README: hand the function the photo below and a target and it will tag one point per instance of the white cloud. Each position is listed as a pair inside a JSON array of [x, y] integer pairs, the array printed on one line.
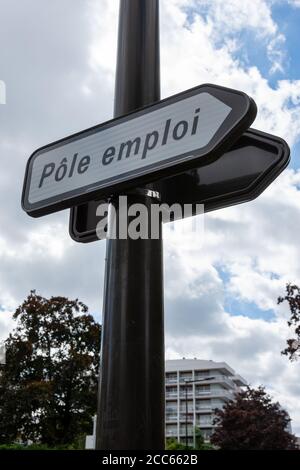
[[233, 16], [294, 3], [191, 55], [233, 24]]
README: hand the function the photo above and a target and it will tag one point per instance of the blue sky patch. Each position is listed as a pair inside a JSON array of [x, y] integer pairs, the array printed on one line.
[[237, 307], [288, 19]]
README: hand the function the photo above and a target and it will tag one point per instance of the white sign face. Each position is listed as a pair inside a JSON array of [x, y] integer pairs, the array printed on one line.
[[171, 132], [131, 146]]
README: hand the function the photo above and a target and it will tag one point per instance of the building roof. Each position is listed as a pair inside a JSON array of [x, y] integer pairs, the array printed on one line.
[[172, 365]]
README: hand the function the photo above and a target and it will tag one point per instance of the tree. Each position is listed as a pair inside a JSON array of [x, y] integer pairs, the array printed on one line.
[[173, 444], [252, 422], [200, 444], [48, 385], [293, 298]]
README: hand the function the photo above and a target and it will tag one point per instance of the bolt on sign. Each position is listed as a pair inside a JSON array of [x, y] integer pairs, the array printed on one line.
[[186, 130]]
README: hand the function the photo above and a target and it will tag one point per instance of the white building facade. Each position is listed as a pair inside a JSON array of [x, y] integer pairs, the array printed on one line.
[[211, 385]]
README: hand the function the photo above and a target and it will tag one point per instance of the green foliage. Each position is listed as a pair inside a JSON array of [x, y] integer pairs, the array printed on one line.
[[199, 441], [23, 447], [252, 422], [48, 385], [292, 297], [173, 444], [37, 447]]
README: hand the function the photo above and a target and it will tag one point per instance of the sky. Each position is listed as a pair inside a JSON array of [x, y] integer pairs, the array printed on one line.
[[57, 60]]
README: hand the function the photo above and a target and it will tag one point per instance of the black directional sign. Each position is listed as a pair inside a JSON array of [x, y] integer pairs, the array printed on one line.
[[176, 134], [240, 175]]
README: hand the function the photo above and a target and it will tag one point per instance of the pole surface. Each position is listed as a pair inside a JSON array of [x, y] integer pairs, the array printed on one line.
[[186, 416], [131, 400]]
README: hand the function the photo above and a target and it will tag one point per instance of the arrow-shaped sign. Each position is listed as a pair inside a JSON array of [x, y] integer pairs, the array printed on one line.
[[187, 130], [240, 175]]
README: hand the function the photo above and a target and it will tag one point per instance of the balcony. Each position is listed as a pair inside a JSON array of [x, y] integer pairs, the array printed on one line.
[[183, 379], [171, 380], [171, 410], [225, 394], [204, 407], [190, 432], [183, 395], [190, 416], [204, 424], [203, 375], [221, 379], [171, 417], [171, 395], [224, 380], [201, 393], [171, 432], [238, 380]]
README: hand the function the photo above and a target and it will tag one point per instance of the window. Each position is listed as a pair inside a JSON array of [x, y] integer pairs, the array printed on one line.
[[171, 377], [171, 407], [200, 374], [190, 430], [171, 391], [190, 406], [205, 419], [206, 433], [202, 389], [200, 404], [187, 375], [188, 389], [190, 440], [171, 430], [171, 416]]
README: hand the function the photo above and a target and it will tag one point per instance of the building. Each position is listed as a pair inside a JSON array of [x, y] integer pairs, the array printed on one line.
[[90, 441], [211, 385], [215, 384]]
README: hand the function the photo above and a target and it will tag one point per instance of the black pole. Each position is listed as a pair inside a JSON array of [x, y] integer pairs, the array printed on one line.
[[131, 401]]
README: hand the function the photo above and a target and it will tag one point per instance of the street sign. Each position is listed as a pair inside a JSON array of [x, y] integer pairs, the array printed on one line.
[[240, 175], [186, 130]]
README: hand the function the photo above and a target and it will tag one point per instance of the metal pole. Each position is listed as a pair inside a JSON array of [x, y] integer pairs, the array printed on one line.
[[194, 416], [131, 401], [186, 416], [186, 383]]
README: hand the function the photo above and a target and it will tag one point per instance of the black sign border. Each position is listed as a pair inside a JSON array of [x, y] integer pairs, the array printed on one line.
[[217, 202], [262, 181], [218, 145]]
